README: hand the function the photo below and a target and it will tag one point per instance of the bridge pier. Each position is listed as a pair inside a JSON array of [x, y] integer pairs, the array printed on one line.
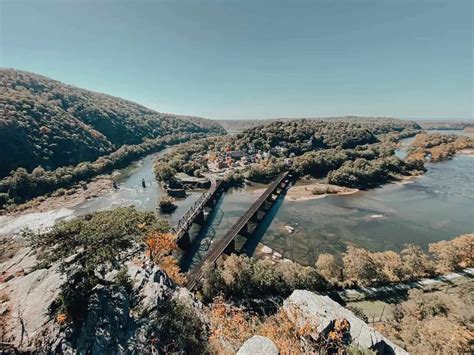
[[185, 241], [245, 231], [230, 249], [211, 202], [257, 216], [200, 219], [266, 205]]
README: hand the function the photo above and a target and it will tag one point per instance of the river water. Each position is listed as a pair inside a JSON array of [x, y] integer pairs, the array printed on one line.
[[131, 192], [439, 205]]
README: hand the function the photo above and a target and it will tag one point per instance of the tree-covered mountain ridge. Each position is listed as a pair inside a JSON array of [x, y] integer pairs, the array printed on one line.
[[49, 123]]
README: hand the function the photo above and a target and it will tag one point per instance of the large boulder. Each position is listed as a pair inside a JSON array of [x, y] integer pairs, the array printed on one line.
[[258, 345], [107, 325], [116, 319], [25, 298], [307, 306]]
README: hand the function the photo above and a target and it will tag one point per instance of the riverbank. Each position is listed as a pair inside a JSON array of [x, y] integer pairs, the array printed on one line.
[[367, 293], [98, 186], [35, 221], [372, 294], [466, 152]]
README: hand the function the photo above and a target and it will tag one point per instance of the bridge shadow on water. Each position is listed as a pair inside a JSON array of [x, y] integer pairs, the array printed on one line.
[[251, 243], [201, 243]]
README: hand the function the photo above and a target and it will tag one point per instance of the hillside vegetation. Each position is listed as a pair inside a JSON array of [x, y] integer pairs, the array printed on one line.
[[48, 123], [53, 135]]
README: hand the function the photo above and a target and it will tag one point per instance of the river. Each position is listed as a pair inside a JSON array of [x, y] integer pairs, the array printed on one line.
[[129, 193], [436, 206], [439, 205]]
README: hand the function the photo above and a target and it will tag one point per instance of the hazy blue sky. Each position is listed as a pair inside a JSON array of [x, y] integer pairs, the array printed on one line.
[[254, 59]]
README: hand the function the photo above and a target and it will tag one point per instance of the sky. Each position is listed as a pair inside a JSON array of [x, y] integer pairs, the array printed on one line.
[[254, 59]]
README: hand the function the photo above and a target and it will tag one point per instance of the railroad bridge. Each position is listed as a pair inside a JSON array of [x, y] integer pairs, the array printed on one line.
[[195, 214], [245, 226]]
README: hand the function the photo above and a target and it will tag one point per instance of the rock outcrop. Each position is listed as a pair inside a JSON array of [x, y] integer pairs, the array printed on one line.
[[25, 297], [116, 320], [258, 345], [307, 306]]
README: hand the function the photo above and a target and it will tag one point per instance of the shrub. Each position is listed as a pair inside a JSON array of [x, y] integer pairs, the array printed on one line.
[[416, 263], [164, 172], [328, 266], [175, 328], [431, 323], [88, 247], [230, 326], [166, 204], [359, 266], [287, 333], [244, 279]]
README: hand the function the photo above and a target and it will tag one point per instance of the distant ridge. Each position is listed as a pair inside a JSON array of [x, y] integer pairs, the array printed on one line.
[[234, 126]]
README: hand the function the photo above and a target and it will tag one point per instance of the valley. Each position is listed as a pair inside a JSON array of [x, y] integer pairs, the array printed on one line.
[[365, 191]]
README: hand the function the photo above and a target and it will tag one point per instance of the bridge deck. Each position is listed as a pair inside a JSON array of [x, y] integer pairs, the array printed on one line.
[[188, 218], [218, 248]]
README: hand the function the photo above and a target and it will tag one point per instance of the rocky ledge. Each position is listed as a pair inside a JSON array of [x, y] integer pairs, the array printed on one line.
[[307, 306]]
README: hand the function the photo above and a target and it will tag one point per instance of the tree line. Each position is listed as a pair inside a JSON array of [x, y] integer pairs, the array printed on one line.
[[20, 185], [243, 279]]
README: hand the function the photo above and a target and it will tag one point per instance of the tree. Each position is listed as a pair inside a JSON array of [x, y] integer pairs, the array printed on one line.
[[166, 204], [390, 266], [328, 266], [453, 254], [244, 278], [164, 172], [431, 323], [415, 262], [160, 247], [160, 244], [359, 265]]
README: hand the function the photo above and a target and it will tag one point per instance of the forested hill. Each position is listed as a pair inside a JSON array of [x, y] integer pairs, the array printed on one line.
[[45, 122]]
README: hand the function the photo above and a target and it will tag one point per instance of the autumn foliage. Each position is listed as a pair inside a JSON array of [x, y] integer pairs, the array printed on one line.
[[437, 146], [454, 254], [289, 335], [61, 318], [358, 266], [231, 326], [432, 323], [160, 246]]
